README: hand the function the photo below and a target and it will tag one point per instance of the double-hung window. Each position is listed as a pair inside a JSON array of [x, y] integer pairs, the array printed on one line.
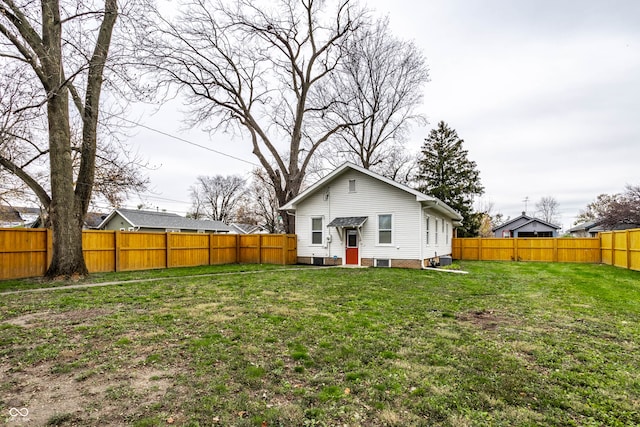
[[427, 225], [385, 229], [316, 231]]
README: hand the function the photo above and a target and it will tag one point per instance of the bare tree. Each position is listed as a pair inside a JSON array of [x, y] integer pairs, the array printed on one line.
[[400, 166], [61, 48], [217, 197], [118, 173], [380, 85], [265, 201], [547, 209], [24, 148], [261, 68]]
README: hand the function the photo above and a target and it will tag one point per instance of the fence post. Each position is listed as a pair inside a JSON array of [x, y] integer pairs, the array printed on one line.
[[116, 250], [628, 233], [285, 249], [238, 251], [49, 248], [555, 250], [210, 248], [259, 248], [167, 246], [515, 249]]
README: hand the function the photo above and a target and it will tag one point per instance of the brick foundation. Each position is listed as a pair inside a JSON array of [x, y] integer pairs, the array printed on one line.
[[368, 262], [395, 263], [406, 263], [327, 260]]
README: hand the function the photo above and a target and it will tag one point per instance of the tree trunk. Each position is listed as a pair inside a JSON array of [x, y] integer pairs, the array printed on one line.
[[68, 259], [289, 223], [66, 220]]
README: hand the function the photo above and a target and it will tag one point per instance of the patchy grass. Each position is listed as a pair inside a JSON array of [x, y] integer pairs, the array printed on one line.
[[38, 282], [510, 344]]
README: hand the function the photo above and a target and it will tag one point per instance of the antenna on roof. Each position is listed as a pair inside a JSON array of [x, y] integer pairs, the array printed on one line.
[[526, 200]]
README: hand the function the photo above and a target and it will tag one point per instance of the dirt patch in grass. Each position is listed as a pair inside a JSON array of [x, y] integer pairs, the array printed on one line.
[[61, 380], [71, 399], [73, 317], [485, 319]]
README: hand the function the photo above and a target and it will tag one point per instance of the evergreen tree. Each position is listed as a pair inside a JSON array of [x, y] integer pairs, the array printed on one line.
[[445, 172]]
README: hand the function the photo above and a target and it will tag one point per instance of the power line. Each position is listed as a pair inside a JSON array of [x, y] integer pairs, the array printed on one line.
[[188, 142]]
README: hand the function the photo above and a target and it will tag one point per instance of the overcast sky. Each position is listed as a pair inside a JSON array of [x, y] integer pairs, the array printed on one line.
[[545, 94]]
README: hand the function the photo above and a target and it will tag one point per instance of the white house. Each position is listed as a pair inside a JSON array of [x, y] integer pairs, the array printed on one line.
[[356, 217]]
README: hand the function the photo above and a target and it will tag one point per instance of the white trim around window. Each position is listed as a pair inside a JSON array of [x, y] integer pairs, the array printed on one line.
[[385, 230], [317, 231]]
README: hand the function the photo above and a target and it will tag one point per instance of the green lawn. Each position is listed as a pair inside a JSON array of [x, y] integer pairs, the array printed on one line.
[[509, 344]]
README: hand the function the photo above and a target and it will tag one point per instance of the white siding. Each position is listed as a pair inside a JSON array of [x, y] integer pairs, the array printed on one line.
[[371, 198], [443, 247]]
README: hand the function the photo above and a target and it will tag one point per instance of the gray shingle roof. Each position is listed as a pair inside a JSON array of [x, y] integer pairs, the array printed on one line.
[[348, 221], [585, 226], [528, 219], [164, 220]]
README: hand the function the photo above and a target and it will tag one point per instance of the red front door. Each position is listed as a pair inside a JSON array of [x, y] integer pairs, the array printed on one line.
[[352, 248]]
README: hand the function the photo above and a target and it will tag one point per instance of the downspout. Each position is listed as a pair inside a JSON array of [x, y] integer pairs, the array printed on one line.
[[328, 199], [422, 219]]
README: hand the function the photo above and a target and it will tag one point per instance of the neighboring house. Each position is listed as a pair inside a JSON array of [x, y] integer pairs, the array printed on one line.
[[91, 221], [10, 217], [526, 226], [16, 216], [592, 228], [586, 229], [356, 217], [237, 228], [158, 222]]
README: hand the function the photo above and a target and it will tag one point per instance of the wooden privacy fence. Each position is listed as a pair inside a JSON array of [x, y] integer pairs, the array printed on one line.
[[527, 249], [619, 248], [27, 252]]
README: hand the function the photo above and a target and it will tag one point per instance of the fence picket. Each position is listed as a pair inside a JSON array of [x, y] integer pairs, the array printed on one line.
[[27, 252], [619, 248]]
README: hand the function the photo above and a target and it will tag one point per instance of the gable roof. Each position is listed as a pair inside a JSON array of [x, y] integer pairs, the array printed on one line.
[[585, 226], [164, 220], [528, 220], [241, 228], [433, 202]]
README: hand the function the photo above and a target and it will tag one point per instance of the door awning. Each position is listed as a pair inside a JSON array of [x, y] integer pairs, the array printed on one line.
[[348, 222]]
